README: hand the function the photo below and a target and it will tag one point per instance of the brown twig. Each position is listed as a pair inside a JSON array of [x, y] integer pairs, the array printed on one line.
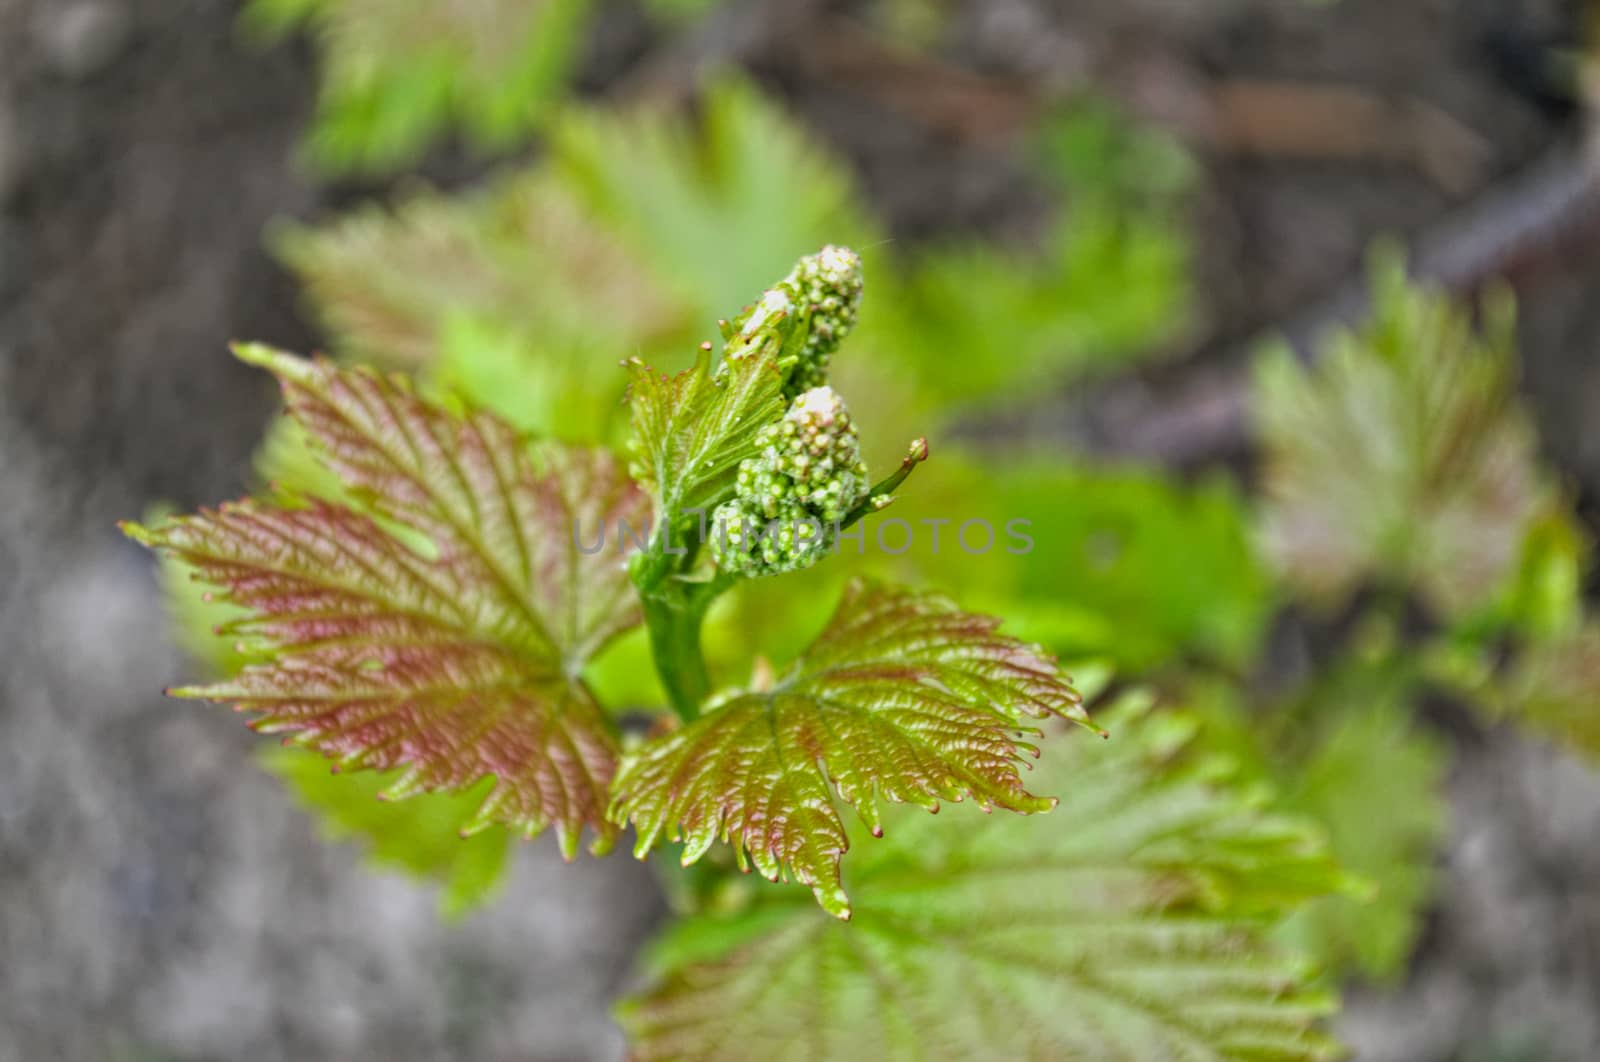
[[1249, 117], [1288, 120]]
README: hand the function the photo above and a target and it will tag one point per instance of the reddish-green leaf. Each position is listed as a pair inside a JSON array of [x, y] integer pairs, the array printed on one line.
[[1135, 928], [903, 697], [442, 631]]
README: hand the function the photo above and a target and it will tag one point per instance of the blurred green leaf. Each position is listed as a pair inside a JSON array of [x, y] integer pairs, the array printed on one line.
[[396, 75], [1129, 923], [1545, 598], [511, 296], [1375, 782], [288, 466], [1347, 755], [641, 227], [1092, 150], [566, 390], [713, 208], [1404, 457], [1170, 570], [623, 675], [420, 835], [526, 295], [973, 322]]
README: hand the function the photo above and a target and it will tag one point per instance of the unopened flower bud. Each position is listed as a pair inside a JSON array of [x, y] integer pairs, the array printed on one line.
[[807, 475], [826, 285], [807, 315]]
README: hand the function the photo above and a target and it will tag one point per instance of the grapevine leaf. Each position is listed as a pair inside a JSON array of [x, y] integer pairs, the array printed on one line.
[[1404, 456], [521, 295], [1347, 754], [397, 74], [902, 697], [1544, 599], [1374, 783], [1135, 929], [195, 616], [519, 256], [741, 193], [443, 629], [1119, 562], [421, 836], [690, 431], [501, 523]]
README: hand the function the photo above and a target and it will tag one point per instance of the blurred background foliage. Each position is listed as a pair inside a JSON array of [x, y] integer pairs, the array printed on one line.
[[396, 74], [1403, 512]]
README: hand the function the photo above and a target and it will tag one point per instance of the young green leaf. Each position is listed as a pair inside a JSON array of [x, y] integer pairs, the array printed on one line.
[[1544, 599], [397, 74], [1124, 563], [690, 431], [1374, 782], [1404, 456], [902, 697], [1347, 754], [707, 205], [1132, 928], [450, 645], [513, 287]]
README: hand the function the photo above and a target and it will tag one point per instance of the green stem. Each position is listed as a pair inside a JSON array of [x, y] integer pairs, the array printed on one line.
[[674, 612], [674, 625], [880, 494]]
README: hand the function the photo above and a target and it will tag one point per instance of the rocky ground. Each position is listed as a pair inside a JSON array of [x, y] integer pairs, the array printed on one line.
[[160, 899]]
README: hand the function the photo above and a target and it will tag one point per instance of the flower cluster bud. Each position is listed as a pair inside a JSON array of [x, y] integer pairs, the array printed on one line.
[[826, 285], [807, 314], [807, 476]]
